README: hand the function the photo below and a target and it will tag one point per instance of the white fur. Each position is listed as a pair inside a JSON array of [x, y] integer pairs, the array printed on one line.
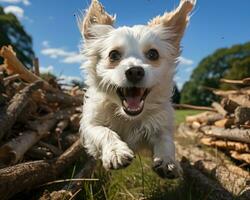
[[108, 133]]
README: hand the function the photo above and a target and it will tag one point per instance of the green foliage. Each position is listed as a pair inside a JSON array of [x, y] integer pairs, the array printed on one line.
[[13, 33], [176, 95], [230, 63]]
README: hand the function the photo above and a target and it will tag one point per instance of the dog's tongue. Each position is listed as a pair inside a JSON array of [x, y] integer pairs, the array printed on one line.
[[133, 103]]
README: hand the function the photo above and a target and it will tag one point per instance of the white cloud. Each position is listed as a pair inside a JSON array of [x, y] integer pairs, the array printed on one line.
[[68, 79], [185, 61], [25, 2], [49, 69], [76, 58], [56, 52], [19, 12], [68, 57]]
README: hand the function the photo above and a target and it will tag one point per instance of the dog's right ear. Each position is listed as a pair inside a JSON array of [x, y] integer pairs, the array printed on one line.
[[95, 15]]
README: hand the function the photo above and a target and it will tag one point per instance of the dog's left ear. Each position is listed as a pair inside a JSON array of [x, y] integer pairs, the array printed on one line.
[[176, 21], [95, 15]]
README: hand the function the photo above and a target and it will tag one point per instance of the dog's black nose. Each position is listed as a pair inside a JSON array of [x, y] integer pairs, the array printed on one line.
[[135, 74]]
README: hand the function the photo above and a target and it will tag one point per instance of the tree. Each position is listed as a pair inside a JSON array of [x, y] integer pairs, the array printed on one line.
[[230, 63], [13, 33], [176, 95]]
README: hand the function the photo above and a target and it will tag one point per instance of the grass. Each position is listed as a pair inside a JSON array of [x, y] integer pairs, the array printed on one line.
[[138, 181]]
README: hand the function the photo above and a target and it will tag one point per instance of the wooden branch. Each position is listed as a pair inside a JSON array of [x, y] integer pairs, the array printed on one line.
[[75, 122], [36, 66], [61, 126], [39, 153], [62, 99], [14, 66], [225, 123], [11, 78], [203, 184], [229, 176], [243, 100], [242, 115], [245, 157], [229, 105], [219, 108], [214, 165], [235, 134], [204, 118], [186, 106], [13, 151], [28, 175], [245, 81], [226, 145], [70, 189], [17, 104]]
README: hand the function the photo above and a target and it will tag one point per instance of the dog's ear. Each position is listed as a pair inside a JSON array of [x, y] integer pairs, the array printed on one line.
[[177, 20], [95, 15]]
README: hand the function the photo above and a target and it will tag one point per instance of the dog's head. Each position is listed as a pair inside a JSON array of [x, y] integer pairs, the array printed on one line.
[[130, 63]]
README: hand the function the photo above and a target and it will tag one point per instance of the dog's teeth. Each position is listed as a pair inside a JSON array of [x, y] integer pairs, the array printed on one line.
[[125, 103], [141, 104]]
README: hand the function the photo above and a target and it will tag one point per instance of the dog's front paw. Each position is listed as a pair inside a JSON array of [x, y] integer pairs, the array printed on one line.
[[167, 168], [117, 156]]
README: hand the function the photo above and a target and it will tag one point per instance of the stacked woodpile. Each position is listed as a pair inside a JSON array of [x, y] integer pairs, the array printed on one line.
[[226, 126], [39, 127]]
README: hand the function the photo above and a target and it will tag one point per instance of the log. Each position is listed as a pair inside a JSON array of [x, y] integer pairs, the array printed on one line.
[[11, 78], [245, 81], [243, 99], [226, 145], [39, 153], [229, 176], [234, 134], [203, 184], [216, 165], [225, 123], [70, 190], [56, 151], [62, 99], [226, 93], [186, 106], [242, 115], [245, 157], [13, 151], [17, 105], [204, 118], [229, 105], [75, 122], [63, 124], [219, 108], [14, 66], [27, 175]]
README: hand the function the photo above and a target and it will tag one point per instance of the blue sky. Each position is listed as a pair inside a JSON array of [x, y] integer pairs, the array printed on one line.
[[56, 38]]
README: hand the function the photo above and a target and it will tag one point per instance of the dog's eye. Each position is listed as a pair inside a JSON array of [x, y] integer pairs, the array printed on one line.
[[152, 54], [115, 55]]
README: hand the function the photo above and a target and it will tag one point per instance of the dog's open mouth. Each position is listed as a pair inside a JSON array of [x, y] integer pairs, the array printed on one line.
[[133, 99]]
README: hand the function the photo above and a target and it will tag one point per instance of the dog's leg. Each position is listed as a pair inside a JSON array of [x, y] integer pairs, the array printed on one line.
[[164, 163], [104, 143]]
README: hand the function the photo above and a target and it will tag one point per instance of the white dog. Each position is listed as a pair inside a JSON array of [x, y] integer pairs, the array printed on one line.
[[130, 78]]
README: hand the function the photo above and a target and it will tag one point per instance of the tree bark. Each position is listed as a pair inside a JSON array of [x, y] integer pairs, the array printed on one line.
[[203, 184], [28, 175], [235, 134], [17, 105], [13, 151], [242, 115], [226, 145]]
